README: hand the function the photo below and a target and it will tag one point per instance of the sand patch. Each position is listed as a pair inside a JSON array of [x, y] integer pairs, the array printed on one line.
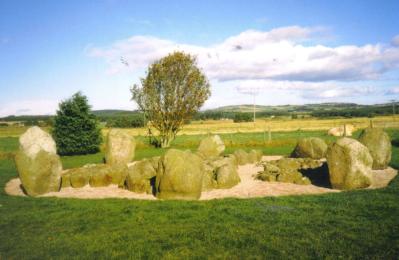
[[247, 188]]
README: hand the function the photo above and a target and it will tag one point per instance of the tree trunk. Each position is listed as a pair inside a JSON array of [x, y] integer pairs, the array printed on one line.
[[166, 139]]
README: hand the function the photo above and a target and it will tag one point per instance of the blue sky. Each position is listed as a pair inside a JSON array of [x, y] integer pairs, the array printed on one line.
[[290, 51]]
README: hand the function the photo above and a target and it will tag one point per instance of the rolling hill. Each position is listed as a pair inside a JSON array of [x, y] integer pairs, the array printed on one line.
[[318, 110]]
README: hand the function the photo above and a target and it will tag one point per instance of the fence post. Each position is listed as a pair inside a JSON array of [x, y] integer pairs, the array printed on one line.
[[264, 136], [270, 135]]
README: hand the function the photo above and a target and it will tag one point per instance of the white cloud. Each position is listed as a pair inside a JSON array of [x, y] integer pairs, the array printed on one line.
[[308, 90], [29, 107], [393, 91], [278, 54], [395, 41], [339, 92]]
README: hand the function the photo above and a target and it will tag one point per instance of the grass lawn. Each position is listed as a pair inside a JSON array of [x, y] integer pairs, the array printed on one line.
[[357, 224]]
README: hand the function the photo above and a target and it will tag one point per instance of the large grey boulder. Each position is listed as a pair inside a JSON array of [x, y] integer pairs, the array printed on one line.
[[227, 174], [120, 147], [243, 157], [349, 163], [211, 146], [38, 165], [220, 173], [140, 175], [379, 144], [311, 147], [95, 175], [179, 175]]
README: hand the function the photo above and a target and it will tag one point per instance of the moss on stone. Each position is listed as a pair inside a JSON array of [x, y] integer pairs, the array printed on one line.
[[311, 147], [241, 157], [179, 175], [379, 144], [120, 147], [209, 178], [227, 175], [287, 170], [65, 180], [211, 146], [41, 174], [349, 164], [140, 174], [99, 175], [79, 178]]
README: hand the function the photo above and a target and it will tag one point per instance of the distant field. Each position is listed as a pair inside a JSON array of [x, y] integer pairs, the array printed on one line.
[[275, 125], [260, 126]]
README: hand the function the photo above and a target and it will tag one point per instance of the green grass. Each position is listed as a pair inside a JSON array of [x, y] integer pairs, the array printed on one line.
[[358, 224]]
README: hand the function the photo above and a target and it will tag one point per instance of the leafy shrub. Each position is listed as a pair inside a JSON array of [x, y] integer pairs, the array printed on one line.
[[243, 117], [76, 129], [135, 121]]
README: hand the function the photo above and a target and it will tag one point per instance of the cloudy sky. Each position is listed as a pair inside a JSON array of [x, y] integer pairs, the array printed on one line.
[[281, 52]]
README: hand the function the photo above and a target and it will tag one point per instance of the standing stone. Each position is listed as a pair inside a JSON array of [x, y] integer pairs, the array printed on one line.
[[379, 145], [140, 175], [120, 147], [241, 157], [39, 167], [311, 147], [179, 175], [211, 146], [255, 156], [349, 164], [227, 175]]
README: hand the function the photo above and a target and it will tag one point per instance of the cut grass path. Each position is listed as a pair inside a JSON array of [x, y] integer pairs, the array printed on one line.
[[358, 224]]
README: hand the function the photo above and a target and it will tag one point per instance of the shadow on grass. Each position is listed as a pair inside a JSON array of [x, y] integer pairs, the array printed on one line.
[[318, 176], [395, 142]]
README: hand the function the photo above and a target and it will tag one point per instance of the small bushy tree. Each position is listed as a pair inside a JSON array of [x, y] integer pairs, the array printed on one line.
[[76, 129], [134, 121], [243, 117], [173, 90]]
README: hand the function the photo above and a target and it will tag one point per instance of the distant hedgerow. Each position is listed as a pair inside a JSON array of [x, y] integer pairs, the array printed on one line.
[[243, 117], [76, 129]]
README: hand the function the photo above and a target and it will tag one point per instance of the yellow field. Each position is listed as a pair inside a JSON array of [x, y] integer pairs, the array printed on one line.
[[261, 125]]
